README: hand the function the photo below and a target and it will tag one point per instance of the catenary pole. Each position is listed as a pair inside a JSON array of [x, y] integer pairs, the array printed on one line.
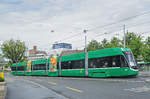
[[124, 36], [86, 54]]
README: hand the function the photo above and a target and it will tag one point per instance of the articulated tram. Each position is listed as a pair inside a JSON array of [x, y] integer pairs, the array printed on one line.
[[112, 62]]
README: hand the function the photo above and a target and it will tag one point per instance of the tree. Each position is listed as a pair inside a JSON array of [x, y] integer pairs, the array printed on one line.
[[146, 50], [130, 36], [1, 61], [115, 42], [94, 45], [14, 50], [134, 42], [104, 43]]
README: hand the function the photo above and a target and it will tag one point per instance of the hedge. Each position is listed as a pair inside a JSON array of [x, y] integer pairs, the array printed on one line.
[[1, 76]]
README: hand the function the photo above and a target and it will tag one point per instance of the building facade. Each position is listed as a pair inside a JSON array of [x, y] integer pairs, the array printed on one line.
[[36, 54]]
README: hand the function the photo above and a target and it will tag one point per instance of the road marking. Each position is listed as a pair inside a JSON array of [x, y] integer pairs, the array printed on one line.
[[147, 80], [60, 95], [102, 79], [139, 89], [74, 89], [53, 83]]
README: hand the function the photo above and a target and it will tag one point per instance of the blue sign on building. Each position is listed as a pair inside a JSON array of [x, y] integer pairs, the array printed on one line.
[[62, 45]]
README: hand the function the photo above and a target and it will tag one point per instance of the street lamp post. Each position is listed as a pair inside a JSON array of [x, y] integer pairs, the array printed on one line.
[[86, 54]]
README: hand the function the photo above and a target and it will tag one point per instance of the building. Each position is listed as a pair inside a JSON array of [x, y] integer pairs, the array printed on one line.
[[70, 52], [36, 54]]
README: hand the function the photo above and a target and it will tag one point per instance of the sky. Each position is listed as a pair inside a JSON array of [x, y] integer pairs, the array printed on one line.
[[44, 22]]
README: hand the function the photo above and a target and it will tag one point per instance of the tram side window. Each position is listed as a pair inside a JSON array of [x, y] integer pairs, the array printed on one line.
[[39, 67], [103, 62], [66, 65], [115, 61], [20, 68], [123, 61], [77, 64], [13, 68], [57, 65], [48, 66]]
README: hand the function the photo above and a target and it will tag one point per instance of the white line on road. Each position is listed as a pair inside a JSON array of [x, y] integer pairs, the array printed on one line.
[[139, 89], [116, 80]]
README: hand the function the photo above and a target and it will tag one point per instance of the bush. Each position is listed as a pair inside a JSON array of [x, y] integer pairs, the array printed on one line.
[[1, 76], [1, 80]]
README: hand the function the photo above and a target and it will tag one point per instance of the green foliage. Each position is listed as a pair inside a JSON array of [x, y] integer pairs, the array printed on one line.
[[140, 48], [14, 50], [134, 42], [1, 60], [146, 50], [104, 43], [93, 45], [115, 42], [1, 80]]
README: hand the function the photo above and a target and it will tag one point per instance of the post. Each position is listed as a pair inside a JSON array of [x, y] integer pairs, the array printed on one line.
[[46, 66], [32, 69], [86, 54], [16, 69], [24, 69], [60, 65], [124, 36]]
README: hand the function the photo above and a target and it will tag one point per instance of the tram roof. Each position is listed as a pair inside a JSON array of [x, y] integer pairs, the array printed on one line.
[[97, 53]]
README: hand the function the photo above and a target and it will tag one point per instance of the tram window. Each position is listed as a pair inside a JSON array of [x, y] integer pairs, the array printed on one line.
[[77, 64], [91, 63], [123, 62], [13, 68], [39, 67], [57, 65], [116, 62], [48, 66], [65, 65], [104, 62], [20, 68]]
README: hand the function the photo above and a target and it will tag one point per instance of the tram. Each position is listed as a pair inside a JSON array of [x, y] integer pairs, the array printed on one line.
[[111, 62]]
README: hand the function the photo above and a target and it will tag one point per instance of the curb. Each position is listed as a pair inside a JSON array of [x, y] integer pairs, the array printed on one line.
[[3, 90]]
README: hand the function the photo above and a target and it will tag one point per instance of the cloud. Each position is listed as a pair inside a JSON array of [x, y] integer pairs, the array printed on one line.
[[33, 20]]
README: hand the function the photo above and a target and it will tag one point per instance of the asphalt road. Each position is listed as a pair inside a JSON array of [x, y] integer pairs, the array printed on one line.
[[82, 88]]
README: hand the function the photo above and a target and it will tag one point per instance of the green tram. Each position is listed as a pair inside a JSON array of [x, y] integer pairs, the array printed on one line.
[[112, 62]]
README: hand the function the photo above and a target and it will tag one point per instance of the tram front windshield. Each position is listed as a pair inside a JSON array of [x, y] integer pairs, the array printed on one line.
[[130, 58]]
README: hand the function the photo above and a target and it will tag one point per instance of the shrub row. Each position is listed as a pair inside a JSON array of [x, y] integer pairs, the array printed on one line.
[[1, 76]]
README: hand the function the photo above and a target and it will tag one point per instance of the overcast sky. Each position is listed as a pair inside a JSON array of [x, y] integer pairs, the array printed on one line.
[[43, 22]]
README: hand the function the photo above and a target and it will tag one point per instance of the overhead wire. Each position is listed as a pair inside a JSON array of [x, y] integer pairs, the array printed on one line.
[[106, 25], [125, 19], [102, 26]]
